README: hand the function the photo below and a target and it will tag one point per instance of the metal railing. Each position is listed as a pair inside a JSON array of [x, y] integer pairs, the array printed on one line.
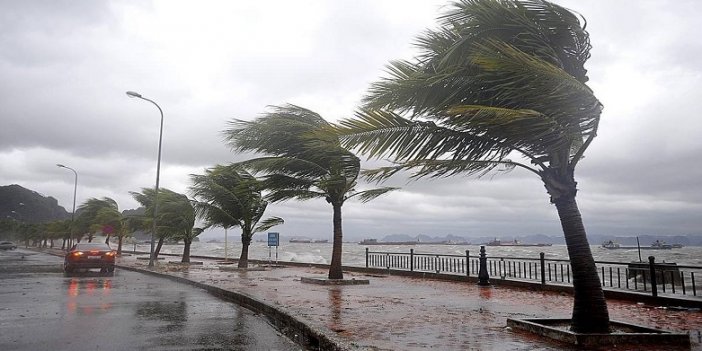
[[647, 277]]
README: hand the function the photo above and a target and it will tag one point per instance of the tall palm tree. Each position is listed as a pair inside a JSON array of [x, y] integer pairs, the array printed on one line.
[[500, 84], [176, 217], [96, 215], [112, 223], [302, 164], [146, 199], [229, 196]]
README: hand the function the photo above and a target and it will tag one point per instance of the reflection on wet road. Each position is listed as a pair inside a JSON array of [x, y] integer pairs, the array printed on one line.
[[43, 309]]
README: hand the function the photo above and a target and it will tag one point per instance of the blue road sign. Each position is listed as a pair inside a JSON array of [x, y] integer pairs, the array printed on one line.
[[273, 239]]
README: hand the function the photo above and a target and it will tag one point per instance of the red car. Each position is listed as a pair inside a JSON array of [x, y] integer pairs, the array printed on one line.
[[90, 255]]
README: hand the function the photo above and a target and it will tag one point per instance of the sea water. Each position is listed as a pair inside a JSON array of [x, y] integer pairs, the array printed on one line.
[[353, 254]]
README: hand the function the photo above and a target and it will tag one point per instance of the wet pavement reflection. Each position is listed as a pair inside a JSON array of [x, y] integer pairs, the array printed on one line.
[[44, 310]]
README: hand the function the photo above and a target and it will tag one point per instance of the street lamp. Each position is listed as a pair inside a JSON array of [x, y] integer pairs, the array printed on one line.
[[73, 213], [132, 94]]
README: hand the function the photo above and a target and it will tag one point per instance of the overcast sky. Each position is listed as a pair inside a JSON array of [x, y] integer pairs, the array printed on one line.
[[65, 67]]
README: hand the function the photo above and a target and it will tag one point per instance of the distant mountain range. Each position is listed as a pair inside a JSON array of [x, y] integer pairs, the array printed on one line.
[[24, 205], [595, 239]]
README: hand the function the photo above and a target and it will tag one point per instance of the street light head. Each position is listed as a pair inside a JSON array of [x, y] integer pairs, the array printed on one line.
[[133, 94], [60, 165]]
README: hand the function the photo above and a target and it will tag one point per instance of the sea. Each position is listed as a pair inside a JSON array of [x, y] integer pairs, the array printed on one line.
[[354, 253]]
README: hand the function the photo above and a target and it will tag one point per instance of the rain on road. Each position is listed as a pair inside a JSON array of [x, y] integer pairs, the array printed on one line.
[[40, 308]]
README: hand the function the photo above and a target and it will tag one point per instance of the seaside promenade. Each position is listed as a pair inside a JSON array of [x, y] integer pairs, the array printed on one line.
[[403, 313]]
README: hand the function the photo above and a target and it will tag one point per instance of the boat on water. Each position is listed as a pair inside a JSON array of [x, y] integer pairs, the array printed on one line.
[[656, 245], [515, 242]]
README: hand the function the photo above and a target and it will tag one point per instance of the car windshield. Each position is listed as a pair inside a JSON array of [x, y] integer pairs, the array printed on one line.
[[93, 246]]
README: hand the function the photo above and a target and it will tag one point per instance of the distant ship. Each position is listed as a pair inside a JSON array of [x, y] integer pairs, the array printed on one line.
[[497, 242], [657, 245], [308, 241]]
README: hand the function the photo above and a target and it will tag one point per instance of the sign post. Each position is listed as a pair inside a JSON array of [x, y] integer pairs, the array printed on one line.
[[273, 240]]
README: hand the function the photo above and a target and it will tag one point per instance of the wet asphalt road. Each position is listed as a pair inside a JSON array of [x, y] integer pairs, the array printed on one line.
[[41, 309]]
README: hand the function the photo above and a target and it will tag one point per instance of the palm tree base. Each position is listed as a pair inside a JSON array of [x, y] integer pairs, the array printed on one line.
[[327, 281], [622, 333]]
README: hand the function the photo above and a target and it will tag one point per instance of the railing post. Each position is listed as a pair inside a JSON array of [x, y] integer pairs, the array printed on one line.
[[652, 268], [483, 276], [501, 268], [467, 264], [366, 257], [543, 268], [411, 260]]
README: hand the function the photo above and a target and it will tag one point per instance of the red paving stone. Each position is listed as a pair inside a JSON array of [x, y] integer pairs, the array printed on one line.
[[403, 313]]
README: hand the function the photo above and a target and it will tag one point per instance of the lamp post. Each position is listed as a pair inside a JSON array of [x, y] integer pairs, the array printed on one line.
[[73, 213], [132, 94]]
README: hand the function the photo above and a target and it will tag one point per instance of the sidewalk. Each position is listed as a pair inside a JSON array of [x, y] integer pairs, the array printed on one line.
[[401, 313]]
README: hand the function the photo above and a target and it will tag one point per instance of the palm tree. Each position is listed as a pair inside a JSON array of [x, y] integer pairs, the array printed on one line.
[[98, 215], [146, 199], [229, 196], [497, 80], [110, 221], [175, 218], [301, 164]]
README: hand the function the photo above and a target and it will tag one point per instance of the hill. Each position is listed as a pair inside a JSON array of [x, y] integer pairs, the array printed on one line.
[[28, 206]]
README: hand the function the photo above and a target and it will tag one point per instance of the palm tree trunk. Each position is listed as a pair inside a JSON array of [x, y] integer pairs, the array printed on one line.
[[186, 250], [245, 242], [119, 245], [158, 248], [590, 313], [335, 271]]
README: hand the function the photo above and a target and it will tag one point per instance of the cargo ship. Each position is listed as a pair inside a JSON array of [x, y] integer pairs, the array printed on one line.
[[497, 242]]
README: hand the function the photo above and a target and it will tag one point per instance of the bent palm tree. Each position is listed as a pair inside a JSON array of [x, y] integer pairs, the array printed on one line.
[[498, 79], [98, 215], [230, 197], [301, 164], [111, 222], [176, 219], [175, 215]]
